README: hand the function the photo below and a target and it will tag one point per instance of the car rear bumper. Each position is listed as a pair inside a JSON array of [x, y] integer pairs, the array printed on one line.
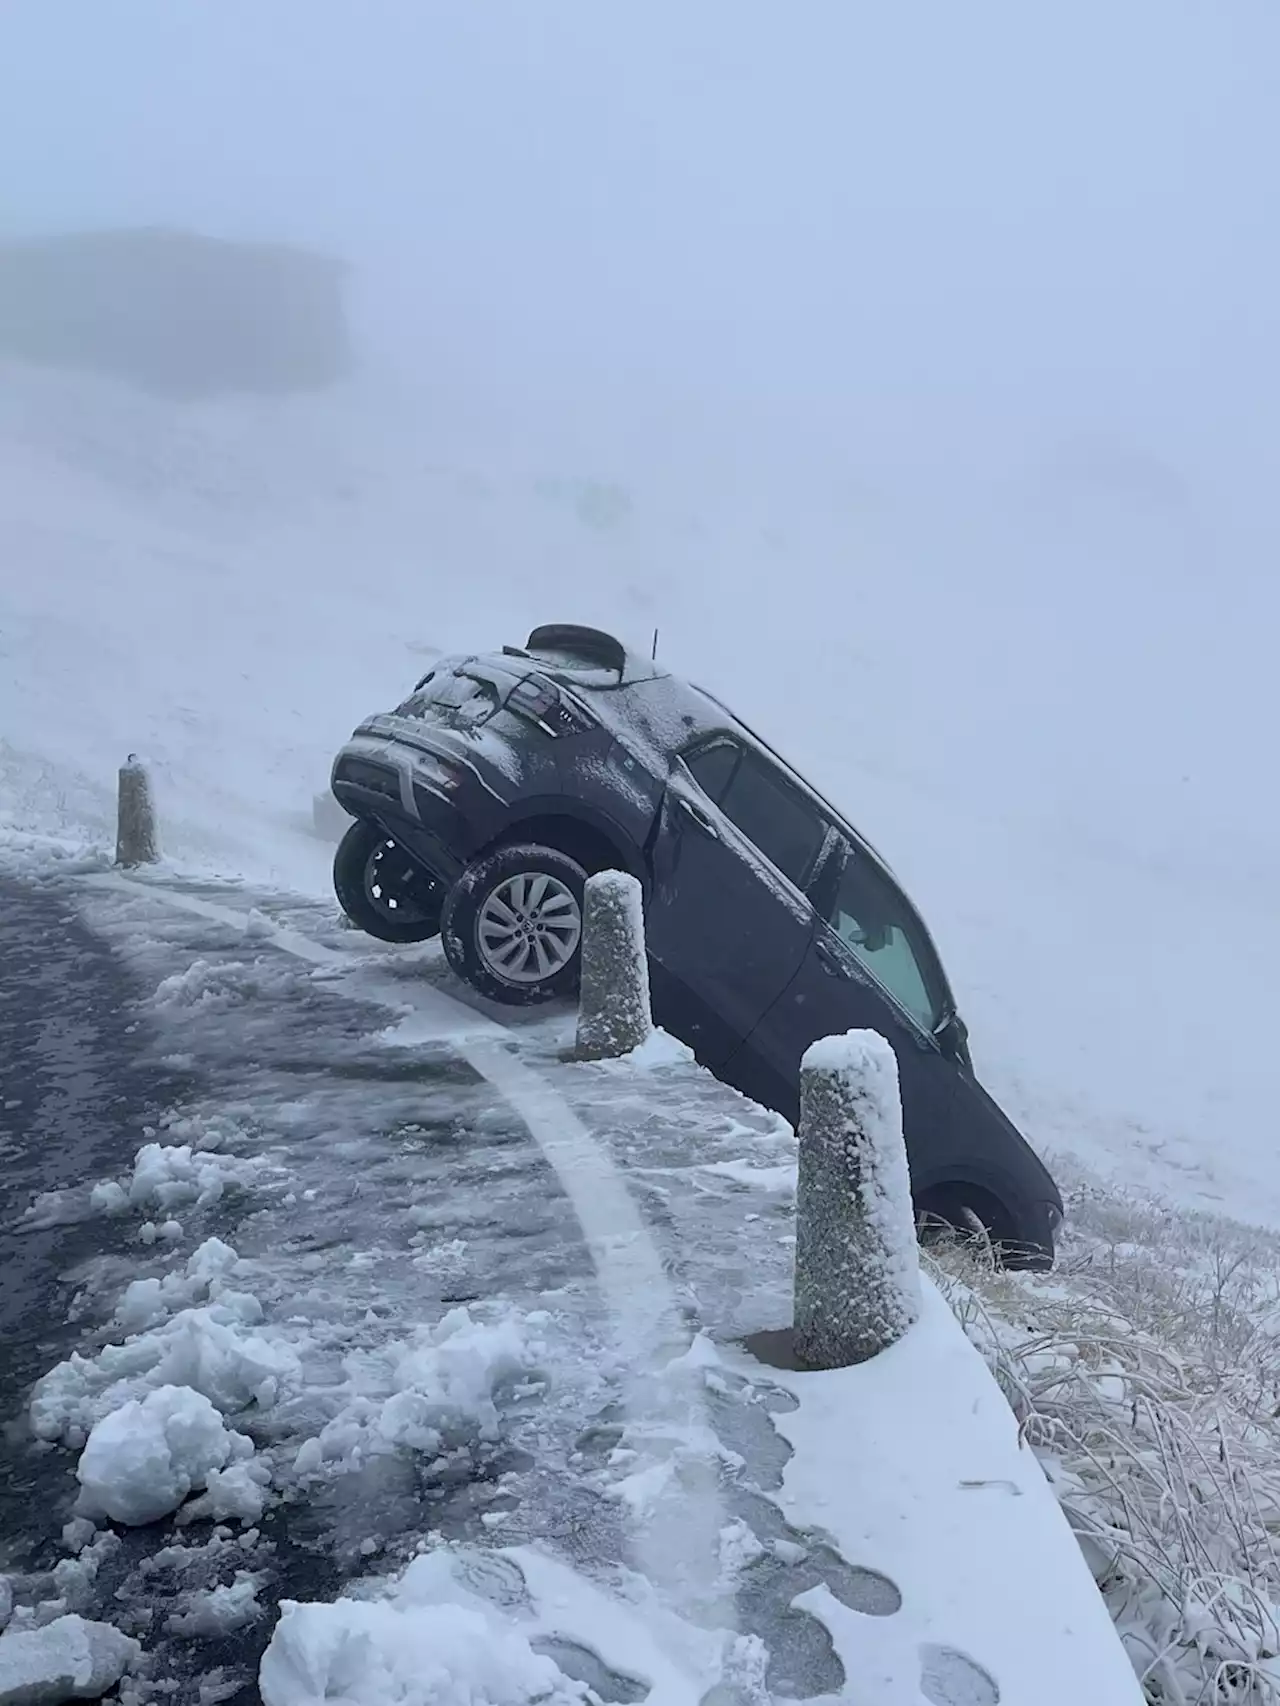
[[382, 781]]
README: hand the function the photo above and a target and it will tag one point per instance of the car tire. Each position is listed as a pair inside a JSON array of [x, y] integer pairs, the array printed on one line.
[[382, 890], [512, 925], [966, 1214]]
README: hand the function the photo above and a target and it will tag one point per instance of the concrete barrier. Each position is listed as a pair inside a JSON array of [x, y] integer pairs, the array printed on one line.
[[857, 1273], [137, 840], [614, 1014]]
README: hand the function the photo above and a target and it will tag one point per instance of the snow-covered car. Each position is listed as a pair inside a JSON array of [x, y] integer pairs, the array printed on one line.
[[484, 801]]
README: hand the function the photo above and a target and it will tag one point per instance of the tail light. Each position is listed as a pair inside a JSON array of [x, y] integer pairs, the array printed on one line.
[[437, 773], [554, 712]]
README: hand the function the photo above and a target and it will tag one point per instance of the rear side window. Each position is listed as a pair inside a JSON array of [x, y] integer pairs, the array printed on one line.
[[712, 768], [764, 806]]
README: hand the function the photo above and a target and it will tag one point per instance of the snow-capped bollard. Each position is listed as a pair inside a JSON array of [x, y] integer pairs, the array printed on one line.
[[857, 1278], [613, 1002], [136, 839]]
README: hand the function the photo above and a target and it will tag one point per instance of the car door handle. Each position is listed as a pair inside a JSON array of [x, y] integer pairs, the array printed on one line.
[[833, 962], [705, 822]]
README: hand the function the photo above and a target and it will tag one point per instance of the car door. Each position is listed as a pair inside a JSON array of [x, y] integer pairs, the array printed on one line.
[[869, 966], [728, 923]]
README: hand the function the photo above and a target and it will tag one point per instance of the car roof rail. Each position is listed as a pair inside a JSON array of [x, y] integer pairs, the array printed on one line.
[[589, 645]]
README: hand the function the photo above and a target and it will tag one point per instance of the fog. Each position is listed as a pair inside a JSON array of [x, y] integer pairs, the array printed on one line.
[[913, 367], [738, 231]]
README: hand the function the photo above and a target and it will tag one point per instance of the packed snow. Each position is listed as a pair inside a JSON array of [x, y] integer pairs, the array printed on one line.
[[955, 1510]]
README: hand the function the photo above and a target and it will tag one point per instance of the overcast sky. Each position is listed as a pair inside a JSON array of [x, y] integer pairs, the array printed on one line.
[[808, 207]]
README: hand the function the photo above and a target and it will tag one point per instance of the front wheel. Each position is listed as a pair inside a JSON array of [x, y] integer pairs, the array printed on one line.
[[382, 890], [512, 925], [969, 1216]]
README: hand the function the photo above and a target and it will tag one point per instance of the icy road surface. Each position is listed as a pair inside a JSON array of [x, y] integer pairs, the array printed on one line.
[[75, 1095], [400, 1311]]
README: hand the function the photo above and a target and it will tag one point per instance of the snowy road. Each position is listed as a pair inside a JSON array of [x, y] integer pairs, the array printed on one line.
[[75, 1094], [407, 1267], [336, 1290]]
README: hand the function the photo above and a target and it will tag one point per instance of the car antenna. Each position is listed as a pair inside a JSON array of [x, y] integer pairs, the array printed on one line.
[[654, 653]]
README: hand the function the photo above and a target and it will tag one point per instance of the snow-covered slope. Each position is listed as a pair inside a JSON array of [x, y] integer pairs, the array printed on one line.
[[1032, 675]]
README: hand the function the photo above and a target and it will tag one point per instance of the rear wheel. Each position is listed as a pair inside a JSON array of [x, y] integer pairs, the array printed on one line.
[[512, 925], [382, 890]]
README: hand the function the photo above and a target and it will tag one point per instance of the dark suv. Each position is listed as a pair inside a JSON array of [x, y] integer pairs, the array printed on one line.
[[486, 799]]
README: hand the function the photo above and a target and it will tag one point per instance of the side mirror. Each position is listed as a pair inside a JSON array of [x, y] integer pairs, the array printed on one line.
[[953, 1038]]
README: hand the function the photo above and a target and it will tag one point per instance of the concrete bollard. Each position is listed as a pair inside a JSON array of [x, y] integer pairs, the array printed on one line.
[[136, 839], [613, 1003], [857, 1276]]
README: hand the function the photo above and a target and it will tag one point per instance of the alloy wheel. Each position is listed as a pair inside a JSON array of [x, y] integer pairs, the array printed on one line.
[[529, 928]]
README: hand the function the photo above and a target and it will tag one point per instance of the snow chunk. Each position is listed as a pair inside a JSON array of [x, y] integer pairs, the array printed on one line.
[[257, 926], [433, 1644], [739, 1549], [146, 1302], [781, 1179], [213, 1260], [107, 1197], [310, 1457], [451, 1370], [237, 1493], [206, 1349], [73, 1578], [170, 1174], [206, 984], [142, 1460], [69, 1659], [142, 1304], [77, 1534], [220, 1610], [436, 1389], [659, 1049]]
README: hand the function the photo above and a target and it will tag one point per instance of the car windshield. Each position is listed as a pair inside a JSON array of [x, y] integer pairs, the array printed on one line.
[[873, 918]]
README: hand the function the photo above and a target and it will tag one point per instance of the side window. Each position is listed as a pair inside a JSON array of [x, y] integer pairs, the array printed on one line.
[[873, 919], [712, 767], [773, 815]]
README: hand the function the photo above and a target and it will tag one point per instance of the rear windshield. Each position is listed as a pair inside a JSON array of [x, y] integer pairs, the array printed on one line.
[[451, 698]]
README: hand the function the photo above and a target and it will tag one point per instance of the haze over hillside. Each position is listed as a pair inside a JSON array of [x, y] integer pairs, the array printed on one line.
[[915, 371]]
